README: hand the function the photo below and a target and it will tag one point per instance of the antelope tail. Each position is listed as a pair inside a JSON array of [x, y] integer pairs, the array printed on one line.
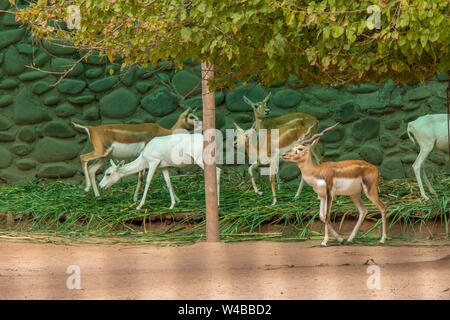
[[408, 130], [82, 127]]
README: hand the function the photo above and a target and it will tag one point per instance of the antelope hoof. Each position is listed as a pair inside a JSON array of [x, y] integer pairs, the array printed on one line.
[[259, 192], [274, 202], [348, 242], [382, 241], [138, 207], [177, 199], [172, 205], [323, 244]]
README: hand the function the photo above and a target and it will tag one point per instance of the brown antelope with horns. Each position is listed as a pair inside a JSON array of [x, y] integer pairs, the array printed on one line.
[[287, 137], [299, 120], [262, 121], [262, 111], [349, 177], [124, 141]]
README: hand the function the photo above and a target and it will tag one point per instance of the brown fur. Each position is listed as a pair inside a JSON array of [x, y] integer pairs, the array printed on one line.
[[300, 121], [287, 135], [327, 171], [105, 135]]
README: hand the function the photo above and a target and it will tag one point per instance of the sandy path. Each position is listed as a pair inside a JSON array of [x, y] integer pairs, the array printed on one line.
[[249, 270]]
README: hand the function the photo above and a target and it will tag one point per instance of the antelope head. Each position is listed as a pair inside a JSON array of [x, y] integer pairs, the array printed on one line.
[[260, 109], [111, 175], [187, 119]]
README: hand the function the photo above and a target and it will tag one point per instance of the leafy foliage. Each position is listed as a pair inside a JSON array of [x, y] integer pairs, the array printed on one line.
[[330, 41]]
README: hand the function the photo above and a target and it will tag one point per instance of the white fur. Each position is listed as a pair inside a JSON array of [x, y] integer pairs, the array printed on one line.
[[346, 186], [177, 150], [318, 185], [430, 132], [126, 150]]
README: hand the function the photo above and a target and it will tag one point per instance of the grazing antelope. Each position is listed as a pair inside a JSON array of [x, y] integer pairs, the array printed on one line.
[[349, 177], [124, 141], [287, 137], [177, 150], [430, 132]]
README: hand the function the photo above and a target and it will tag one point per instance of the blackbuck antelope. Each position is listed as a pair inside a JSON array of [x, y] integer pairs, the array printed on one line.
[[349, 177], [124, 141], [177, 150], [303, 120], [430, 132], [287, 137], [262, 121]]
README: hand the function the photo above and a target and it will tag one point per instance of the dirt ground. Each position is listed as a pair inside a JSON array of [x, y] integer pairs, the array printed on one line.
[[245, 270]]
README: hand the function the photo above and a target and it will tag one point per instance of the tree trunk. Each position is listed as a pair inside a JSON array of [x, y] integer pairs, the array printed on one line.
[[209, 123]]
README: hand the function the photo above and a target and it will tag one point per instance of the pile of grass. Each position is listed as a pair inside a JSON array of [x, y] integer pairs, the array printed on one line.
[[57, 208]]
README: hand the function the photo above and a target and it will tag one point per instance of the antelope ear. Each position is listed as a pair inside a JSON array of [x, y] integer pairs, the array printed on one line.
[[247, 101], [121, 163], [185, 112], [267, 98], [112, 163]]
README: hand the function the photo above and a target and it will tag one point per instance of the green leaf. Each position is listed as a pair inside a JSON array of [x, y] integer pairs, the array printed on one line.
[[337, 31], [326, 61], [326, 32], [434, 36], [186, 33], [201, 7], [423, 40], [404, 20]]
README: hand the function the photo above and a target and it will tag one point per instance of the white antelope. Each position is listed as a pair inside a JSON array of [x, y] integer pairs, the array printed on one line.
[[349, 177], [178, 150], [430, 132], [124, 141]]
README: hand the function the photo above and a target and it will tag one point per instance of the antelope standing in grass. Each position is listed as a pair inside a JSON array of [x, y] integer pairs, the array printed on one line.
[[178, 150], [349, 177], [287, 137], [261, 111], [430, 132], [124, 141], [291, 127]]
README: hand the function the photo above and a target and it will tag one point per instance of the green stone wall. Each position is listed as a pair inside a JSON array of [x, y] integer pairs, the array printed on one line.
[[37, 140]]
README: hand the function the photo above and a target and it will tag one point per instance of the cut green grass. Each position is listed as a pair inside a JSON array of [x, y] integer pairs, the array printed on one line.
[[50, 209]]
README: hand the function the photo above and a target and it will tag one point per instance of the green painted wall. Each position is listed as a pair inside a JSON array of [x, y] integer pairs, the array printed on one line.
[[37, 140]]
